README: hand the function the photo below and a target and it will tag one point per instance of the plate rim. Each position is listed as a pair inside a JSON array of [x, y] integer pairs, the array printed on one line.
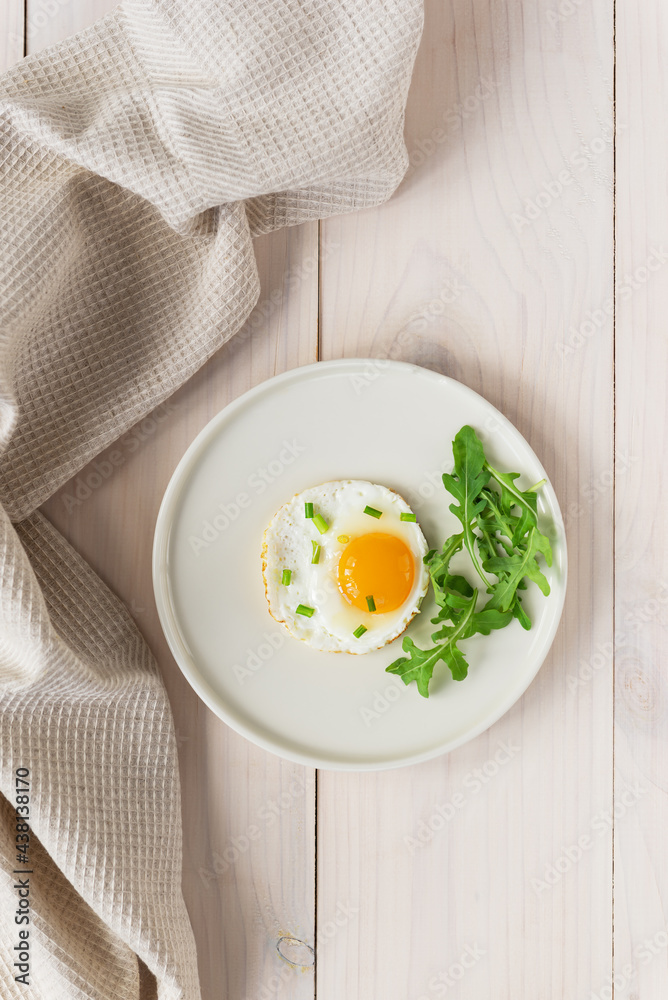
[[176, 642]]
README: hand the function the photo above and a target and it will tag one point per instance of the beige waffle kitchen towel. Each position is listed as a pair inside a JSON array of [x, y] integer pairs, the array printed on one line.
[[137, 161]]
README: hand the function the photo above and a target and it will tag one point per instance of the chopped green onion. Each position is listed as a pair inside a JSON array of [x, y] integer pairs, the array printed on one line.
[[308, 510], [359, 631], [287, 576], [316, 552], [320, 523], [343, 539], [372, 512], [303, 609], [370, 603], [407, 517]]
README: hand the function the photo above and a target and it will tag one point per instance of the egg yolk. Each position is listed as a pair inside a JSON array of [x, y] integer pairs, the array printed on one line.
[[376, 565]]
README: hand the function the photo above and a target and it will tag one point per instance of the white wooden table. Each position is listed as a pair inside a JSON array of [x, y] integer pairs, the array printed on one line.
[[528, 201]]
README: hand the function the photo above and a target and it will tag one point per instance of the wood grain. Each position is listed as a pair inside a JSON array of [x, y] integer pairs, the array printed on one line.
[[48, 21], [11, 33], [641, 573], [249, 842], [484, 266]]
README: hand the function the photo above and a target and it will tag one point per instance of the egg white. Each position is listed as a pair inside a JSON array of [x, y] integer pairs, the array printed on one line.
[[288, 545]]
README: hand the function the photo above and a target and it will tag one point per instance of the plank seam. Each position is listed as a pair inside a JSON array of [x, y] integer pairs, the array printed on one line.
[[315, 859], [614, 462]]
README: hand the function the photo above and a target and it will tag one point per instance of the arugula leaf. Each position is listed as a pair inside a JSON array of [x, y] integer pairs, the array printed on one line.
[[438, 563], [419, 665], [481, 621], [519, 613], [465, 483], [496, 517], [511, 496], [512, 570], [490, 618], [497, 522], [450, 591]]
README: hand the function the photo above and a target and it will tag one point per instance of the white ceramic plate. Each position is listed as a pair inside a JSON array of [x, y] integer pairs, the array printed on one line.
[[387, 422]]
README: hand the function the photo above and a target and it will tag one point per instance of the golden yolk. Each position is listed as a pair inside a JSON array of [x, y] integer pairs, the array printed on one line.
[[376, 565]]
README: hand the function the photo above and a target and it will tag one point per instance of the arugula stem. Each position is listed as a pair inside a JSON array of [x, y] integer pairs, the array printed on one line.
[[469, 543], [460, 626], [493, 543], [520, 499]]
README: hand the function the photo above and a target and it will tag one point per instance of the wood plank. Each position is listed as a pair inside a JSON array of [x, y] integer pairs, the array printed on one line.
[[11, 33], [49, 21], [249, 843], [486, 266], [641, 575]]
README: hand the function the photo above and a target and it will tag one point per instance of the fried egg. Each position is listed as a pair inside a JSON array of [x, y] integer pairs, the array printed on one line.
[[350, 577]]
